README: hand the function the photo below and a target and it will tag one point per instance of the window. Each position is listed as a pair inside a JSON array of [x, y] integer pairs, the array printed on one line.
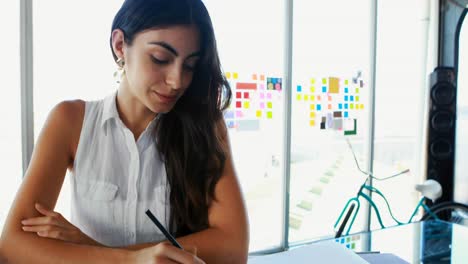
[[72, 59], [10, 109], [251, 46], [330, 102], [461, 145]]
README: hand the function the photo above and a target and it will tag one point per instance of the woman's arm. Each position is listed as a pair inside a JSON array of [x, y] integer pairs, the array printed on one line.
[[227, 238], [42, 183]]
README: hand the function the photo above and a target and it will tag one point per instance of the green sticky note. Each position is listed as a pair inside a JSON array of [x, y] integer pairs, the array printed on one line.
[[269, 115]]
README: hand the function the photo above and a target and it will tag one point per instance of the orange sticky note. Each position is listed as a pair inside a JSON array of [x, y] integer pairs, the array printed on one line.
[[254, 76], [262, 77], [329, 106]]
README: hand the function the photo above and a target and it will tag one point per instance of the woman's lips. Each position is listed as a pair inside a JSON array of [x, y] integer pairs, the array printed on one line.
[[166, 98]]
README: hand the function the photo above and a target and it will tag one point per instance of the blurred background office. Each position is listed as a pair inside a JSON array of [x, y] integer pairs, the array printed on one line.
[[305, 76]]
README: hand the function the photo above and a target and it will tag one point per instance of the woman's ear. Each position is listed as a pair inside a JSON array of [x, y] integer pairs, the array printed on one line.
[[118, 43]]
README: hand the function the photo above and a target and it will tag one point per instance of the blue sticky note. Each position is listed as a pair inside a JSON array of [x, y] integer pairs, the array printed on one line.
[[346, 114], [351, 98], [319, 107], [345, 106], [342, 241], [324, 89], [340, 106], [346, 89], [299, 88], [346, 98]]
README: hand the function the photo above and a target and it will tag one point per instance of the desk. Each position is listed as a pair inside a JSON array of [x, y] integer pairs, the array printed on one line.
[[419, 242]]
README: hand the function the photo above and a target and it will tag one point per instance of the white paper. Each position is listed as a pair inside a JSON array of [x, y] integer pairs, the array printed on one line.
[[320, 252]]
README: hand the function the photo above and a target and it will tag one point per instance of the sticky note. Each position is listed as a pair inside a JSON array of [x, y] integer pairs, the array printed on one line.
[[351, 98], [312, 80], [238, 95], [346, 114], [312, 122], [329, 106], [312, 97], [270, 105], [299, 97], [239, 114], [351, 106], [262, 105], [334, 85], [312, 107], [346, 82], [324, 80], [318, 97], [346, 98], [345, 106], [340, 106], [246, 104], [324, 89], [235, 75], [228, 75], [259, 113], [312, 89], [346, 90], [357, 90], [357, 98], [238, 104], [329, 98], [254, 76], [268, 95], [299, 89], [262, 95], [269, 115], [262, 77], [362, 106], [246, 95], [312, 114], [319, 107], [261, 86], [306, 97]]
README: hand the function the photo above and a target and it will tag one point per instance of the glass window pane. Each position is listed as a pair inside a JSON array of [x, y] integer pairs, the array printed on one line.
[[251, 47], [399, 99], [10, 108], [72, 58], [330, 103], [461, 145]]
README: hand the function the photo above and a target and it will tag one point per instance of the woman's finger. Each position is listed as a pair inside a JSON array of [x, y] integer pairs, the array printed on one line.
[[44, 220], [43, 210], [178, 255]]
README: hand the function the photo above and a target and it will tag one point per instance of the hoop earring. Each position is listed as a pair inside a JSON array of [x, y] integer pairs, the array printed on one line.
[[120, 72]]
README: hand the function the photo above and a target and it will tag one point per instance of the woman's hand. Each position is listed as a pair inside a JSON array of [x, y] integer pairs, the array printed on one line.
[[165, 253], [53, 225]]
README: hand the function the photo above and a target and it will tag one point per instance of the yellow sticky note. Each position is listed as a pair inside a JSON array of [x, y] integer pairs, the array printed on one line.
[[228, 75], [357, 90], [362, 106], [357, 98], [312, 107], [299, 97], [259, 113], [312, 81], [351, 106], [312, 114], [270, 105], [312, 89], [306, 97], [334, 85], [246, 104], [312, 122], [269, 115], [235, 75], [324, 80], [346, 82], [312, 97]]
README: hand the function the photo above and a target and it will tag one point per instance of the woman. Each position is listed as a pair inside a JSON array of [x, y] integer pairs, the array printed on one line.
[[158, 143]]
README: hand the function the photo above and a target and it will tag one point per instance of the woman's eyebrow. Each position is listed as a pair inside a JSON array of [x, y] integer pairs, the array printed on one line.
[[172, 49]]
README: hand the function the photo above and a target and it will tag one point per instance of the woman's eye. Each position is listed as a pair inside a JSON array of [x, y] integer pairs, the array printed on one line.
[[189, 67], [158, 61]]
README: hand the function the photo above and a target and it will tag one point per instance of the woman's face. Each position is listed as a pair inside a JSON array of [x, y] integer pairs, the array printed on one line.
[[160, 63]]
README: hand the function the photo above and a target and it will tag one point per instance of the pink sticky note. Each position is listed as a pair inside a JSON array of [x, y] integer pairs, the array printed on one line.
[[238, 113], [262, 105], [262, 96], [262, 86], [268, 95]]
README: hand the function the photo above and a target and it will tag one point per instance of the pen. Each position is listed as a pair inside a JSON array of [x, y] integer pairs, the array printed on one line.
[[161, 227]]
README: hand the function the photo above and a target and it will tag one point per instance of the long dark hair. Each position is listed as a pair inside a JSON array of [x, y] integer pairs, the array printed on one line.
[[189, 137]]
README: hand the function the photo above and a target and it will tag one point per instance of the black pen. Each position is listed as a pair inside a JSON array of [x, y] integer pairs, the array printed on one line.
[[161, 227]]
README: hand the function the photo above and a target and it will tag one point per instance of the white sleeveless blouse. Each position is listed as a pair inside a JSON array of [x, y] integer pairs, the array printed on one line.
[[115, 180]]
